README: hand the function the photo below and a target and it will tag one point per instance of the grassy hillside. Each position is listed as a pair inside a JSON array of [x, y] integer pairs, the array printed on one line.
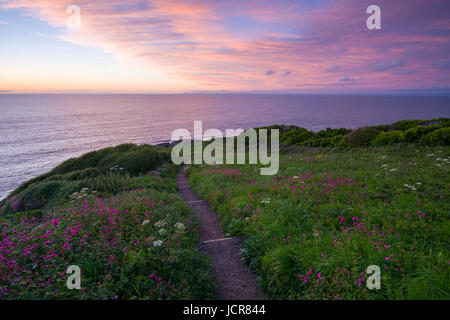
[[313, 229], [116, 214], [342, 200]]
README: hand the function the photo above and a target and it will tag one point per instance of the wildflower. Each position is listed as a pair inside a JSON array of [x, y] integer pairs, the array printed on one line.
[[146, 222], [244, 252], [160, 224], [157, 243], [387, 258], [162, 232], [180, 226]]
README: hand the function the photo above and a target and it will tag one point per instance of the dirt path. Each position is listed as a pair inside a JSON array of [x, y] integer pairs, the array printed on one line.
[[236, 281]]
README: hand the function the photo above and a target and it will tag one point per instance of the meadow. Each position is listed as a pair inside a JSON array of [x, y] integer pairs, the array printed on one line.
[[342, 200], [118, 218], [313, 229]]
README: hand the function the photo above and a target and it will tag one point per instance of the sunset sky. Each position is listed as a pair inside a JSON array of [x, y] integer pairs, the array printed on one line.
[[165, 46]]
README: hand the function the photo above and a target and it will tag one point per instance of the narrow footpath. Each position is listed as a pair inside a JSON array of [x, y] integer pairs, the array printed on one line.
[[236, 280]]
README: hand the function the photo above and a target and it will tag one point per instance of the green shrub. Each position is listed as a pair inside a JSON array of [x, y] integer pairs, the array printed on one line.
[[414, 134], [388, 138], [361, 136], [437, 137], [382, 127], [405, 124], [338, 141], [297, 136], [328, 132]]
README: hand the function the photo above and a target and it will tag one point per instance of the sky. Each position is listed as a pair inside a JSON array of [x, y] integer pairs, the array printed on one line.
[[171, 46]]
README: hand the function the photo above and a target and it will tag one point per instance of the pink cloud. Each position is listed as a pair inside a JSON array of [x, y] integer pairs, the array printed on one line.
[[303, 46]]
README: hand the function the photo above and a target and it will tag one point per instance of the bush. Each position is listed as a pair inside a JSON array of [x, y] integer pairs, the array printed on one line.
[[332, 132], [338, 141], [437, 137], [382, 127], [297, 136], [405, 124], [388, 138], [414, 134], [361, 136]]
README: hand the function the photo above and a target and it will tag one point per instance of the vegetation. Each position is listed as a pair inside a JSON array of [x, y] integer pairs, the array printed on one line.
[[312, 230], [132, 236], [343, 200], [405, 131]]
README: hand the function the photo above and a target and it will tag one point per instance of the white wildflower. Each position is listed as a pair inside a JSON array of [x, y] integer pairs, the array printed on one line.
[[160, 224], [180, 226], [157, 243], [162, 232], [244, 252], [145, 222]]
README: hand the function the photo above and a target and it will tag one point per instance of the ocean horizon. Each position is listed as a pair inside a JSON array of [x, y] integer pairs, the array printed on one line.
[[39, 131]]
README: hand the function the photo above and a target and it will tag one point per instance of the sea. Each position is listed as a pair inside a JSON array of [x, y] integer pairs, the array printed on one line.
[[38, 132]]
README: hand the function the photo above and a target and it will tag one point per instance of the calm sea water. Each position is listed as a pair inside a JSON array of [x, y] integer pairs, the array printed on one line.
[[37, 132]]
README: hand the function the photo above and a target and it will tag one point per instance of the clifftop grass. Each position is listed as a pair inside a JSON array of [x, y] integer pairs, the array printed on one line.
[[116, 214], [107, 171], [424, 132], [343, 199], [313, 229]]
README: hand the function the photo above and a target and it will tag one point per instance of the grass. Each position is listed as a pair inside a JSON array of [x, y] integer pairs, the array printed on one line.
[[312, 230], [342, 200], [132, 236]]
